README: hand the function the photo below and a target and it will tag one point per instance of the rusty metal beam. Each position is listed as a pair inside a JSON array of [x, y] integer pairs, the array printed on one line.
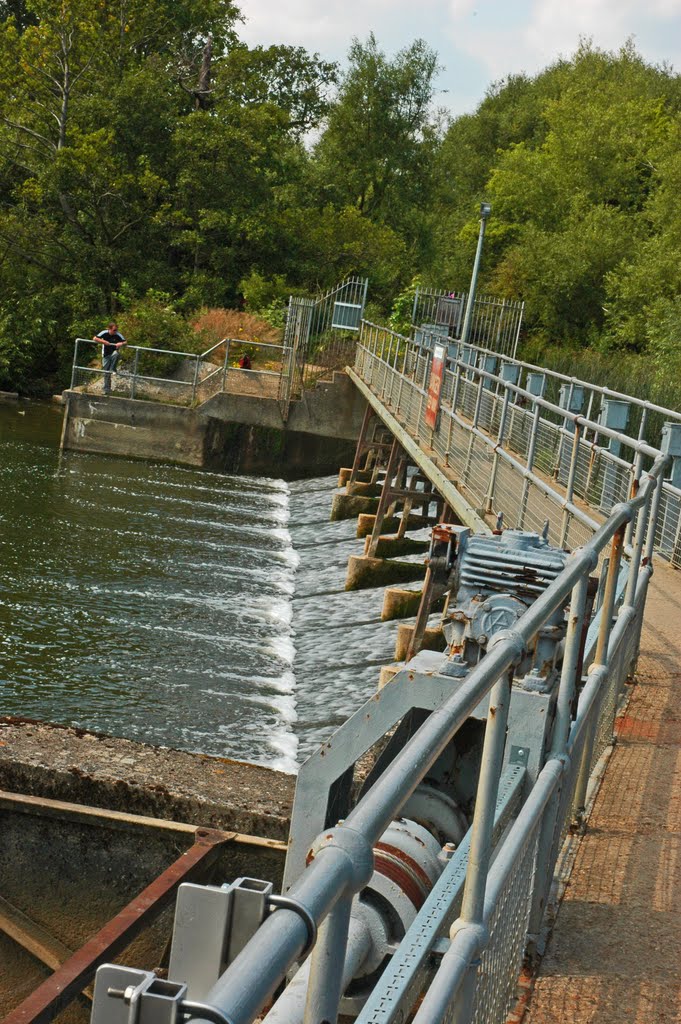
[[104, 818], [31, 936], [50, 998]]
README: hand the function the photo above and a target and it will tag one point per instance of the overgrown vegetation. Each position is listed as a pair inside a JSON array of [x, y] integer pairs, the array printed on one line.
[[154, 168]]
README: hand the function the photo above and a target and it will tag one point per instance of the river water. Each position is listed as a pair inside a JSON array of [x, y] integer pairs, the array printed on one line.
[[176, 606]]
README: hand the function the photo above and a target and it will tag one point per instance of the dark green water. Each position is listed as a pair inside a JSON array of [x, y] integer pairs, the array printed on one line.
[[173, 605]]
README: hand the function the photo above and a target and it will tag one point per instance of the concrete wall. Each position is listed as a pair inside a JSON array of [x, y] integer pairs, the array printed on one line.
[[230, 432], [70, 876]]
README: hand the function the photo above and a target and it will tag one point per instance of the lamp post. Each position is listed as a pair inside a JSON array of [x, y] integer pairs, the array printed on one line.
[[485, 210]]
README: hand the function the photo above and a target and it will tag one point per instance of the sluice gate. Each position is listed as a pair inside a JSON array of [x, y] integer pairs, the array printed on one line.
[[426, 830]]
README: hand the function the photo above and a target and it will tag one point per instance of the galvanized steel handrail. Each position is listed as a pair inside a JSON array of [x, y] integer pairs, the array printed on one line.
[[196, 358], [474, 400], [342, 861], [606, 392], [636, 444]]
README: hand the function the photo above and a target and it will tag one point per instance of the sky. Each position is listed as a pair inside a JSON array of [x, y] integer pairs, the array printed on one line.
[[478, 41]]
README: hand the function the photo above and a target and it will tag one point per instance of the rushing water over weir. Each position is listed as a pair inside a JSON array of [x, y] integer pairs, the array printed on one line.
[[176, 606]]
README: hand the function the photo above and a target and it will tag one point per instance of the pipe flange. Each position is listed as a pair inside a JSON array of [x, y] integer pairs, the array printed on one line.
[[356, 848]]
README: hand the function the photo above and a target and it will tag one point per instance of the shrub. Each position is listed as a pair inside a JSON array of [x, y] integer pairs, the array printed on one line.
[[212, 325]]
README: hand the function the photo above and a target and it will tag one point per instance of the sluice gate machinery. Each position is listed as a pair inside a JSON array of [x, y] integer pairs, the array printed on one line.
[[426, 830]]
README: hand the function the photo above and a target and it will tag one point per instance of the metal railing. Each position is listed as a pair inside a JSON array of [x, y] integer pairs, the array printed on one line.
[[517, 451], [495, 323], [320, 336], [644, 420], [165, 375], [507, 879], [513, 451]]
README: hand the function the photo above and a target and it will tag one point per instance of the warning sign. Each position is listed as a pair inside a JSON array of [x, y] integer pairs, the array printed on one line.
[[435, 386]]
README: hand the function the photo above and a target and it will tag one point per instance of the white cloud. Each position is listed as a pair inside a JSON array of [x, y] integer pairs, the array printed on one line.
[[553, 28], [478, 41]]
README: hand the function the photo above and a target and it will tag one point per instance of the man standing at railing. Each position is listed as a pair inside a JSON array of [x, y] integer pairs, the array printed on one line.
[[112, 342]]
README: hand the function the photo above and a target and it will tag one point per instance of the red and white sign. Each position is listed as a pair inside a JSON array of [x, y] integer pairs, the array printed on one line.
[[435, 386]]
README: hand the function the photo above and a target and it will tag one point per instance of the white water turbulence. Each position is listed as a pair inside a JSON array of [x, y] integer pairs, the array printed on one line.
[[176, 606]]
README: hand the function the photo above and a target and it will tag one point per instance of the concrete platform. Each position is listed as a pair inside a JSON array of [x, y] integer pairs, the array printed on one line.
[[89, 768]]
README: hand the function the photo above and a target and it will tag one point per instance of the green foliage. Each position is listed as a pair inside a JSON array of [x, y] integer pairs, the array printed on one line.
[[152, 165], [377, 151], [401, 313]]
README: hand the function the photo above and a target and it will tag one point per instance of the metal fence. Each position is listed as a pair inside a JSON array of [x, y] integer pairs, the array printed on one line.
[[495, 323], [513, 450], [476, 929], [178, 378], [320, 336]]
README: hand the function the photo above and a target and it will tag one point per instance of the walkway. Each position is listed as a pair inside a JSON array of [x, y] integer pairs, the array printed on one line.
[[615, 955]]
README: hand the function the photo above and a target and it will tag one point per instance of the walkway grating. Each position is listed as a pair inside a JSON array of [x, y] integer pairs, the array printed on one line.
[[615, 954]]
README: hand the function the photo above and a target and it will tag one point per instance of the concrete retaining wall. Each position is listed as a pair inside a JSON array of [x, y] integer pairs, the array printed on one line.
[[69, 876], [229, 432]]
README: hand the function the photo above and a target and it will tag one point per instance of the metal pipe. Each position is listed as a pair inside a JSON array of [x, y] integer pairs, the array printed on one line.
[[325, 988], [290, 1006], [75, 363], [635, 560], [500, 441], [608, 606], [133, 386], [486, 798], [570, 488], [467, 943], [568, 677]]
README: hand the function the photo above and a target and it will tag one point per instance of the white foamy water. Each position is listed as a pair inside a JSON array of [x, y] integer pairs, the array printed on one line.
[[176, 606]]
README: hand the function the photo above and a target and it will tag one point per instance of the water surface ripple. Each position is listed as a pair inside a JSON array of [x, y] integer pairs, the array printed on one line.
[[177, 606]]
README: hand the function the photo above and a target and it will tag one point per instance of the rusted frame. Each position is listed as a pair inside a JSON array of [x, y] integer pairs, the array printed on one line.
[[50, 998]]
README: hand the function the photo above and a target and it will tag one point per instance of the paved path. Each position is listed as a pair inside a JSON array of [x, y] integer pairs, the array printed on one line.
[[615, 955]]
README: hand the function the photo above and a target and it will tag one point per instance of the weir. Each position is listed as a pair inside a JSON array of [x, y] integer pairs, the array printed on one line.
[[426, 832]]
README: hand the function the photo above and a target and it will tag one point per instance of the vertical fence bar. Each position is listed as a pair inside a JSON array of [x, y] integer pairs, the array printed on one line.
[[546, 847], [570, 488], [75, 364], [197, 364], [608, 608], [327, 960], [530, 465], [135, 366], [500, 441], [225, 367], [637, 469], [635, 562], [480, 851]]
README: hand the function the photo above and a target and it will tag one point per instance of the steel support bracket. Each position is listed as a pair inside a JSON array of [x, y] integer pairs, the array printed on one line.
[[212, 926], [124, 995]]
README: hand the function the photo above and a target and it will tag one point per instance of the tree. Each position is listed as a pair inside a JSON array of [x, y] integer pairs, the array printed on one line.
[[377, 150], [286, 77]]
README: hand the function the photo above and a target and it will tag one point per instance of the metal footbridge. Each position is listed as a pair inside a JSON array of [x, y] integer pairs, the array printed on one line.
[[427, 831]]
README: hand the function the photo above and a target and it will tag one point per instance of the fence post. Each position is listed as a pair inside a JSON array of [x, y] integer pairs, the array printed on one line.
[[225, 364], [75, 364], [530, 463], [197, 364], [600, 658], [326, 965], [133, 386], [548, 839], [570, 489], [480, 851], [500, 441]]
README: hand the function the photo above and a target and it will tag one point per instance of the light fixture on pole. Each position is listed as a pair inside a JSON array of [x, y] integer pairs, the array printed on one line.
[[485, 210]]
